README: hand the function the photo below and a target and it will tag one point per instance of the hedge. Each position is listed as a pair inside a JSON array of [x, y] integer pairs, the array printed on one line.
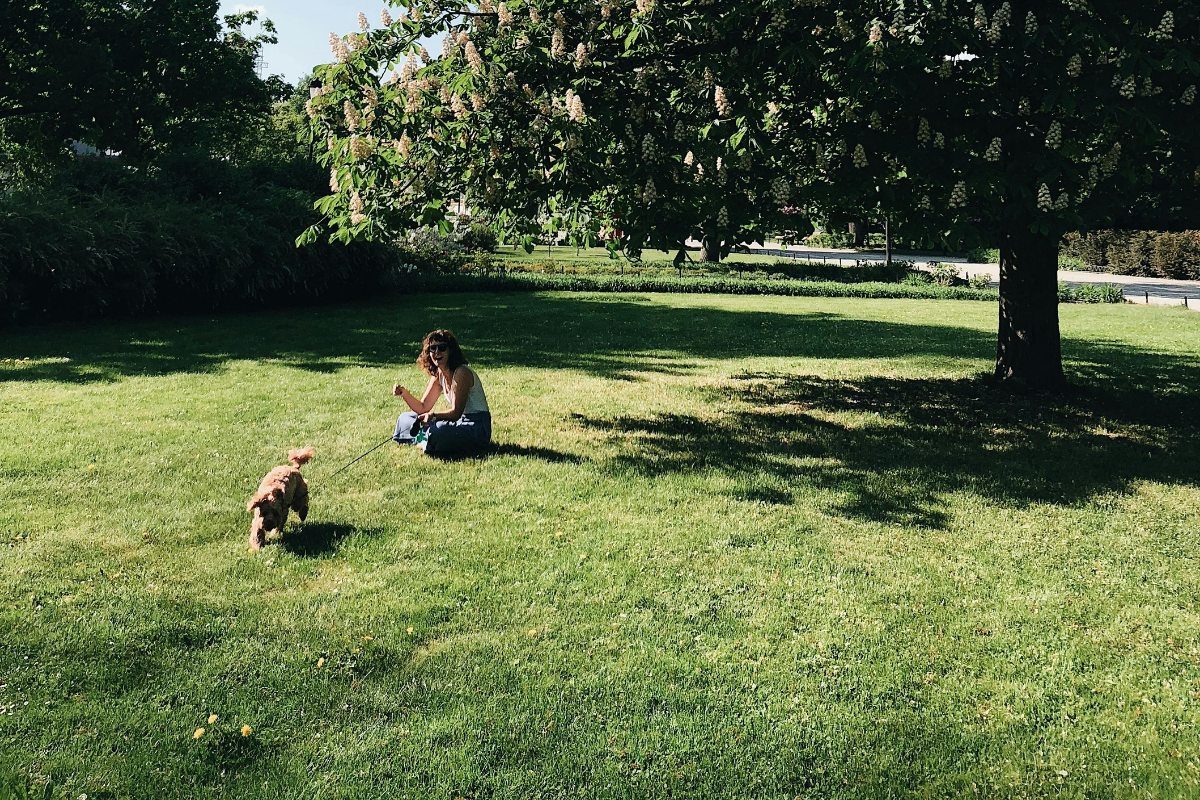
[[1142, 253]]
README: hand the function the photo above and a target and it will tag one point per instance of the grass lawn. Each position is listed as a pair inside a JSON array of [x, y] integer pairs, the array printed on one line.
[[725, 547]]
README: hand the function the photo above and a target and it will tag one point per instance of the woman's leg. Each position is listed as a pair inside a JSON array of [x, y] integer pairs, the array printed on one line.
[[405, 430], [465, 435]]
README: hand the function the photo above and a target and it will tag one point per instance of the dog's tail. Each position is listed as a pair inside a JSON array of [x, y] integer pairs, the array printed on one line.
[[300, 457]]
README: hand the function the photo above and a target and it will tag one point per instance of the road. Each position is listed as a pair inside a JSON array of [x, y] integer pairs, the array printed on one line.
[[1155, 291]]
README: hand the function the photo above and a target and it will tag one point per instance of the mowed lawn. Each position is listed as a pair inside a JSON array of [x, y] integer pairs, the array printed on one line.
[[724, 547]]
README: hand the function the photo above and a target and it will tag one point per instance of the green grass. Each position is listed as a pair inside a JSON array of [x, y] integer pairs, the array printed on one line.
[[739, 547]]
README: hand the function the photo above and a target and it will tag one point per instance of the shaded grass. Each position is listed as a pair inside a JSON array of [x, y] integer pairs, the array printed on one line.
[[724, 546]]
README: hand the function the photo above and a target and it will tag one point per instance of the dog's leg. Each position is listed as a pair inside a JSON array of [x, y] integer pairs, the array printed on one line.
[[257, 537], [300, 501]]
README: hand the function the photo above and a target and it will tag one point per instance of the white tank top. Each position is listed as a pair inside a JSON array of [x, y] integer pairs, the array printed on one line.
[[476, 399]]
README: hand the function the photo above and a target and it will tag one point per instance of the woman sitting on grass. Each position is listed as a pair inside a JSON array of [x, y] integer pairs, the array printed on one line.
[[467, 426]]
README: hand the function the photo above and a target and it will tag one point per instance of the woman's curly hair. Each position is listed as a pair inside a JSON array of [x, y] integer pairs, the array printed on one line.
[[456, 359]]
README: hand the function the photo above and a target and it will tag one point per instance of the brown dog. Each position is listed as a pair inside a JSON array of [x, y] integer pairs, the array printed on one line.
[[281, 490]]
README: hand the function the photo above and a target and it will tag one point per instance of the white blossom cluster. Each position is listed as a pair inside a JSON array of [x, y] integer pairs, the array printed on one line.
[[1031, 24], [404, 145], [860, 156], [722, 102], [353, 118], [981, 17], [385, 19], [876, 33], [876, 121], [334, 186], [356, 210], [338, 45], [503, 15], [360, 147], [1054, 135], [581, 56], [1075, 66], [1189, 95], [939, 141], [645, 6], [1129, 87], [456, 105], [477, 102], [557, 48], [780, 191], [363, 25], [926, 204], [923, 132], [473, 58], [1167, 27], [649, 194], [1045, 200], [994, 150], [1108, 164], [1023, 107], [723, 218], [1063, 202], [958, 197], [648, 149], [689, 159], [574, 105]]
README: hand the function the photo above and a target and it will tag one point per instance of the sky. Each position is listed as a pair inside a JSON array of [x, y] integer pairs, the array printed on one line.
[[303, 30]]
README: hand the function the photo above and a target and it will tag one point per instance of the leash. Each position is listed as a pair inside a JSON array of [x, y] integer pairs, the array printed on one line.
[[360, 458]]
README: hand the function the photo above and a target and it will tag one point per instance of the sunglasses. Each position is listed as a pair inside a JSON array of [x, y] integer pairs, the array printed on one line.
[[438, 347]]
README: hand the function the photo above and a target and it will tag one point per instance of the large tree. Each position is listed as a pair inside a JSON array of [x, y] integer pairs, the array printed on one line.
[[138, 77], [1025, 119]]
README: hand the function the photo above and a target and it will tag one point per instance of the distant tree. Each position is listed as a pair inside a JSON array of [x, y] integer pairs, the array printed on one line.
[[140, 76]]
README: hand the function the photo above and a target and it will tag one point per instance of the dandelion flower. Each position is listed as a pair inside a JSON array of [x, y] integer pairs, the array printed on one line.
[[246, 730], [320, 662], [199, 732], [212, 718]]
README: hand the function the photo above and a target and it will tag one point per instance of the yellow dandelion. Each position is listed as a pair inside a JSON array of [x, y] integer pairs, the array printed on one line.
[[246, 730], [320, 662], [410, 630], [368, 638], [212, 718], [199, 732], [91, 466], [533, 632]]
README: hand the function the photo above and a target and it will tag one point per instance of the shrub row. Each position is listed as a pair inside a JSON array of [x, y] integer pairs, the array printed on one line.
[[1144, 253], [537, 282], [781, 269]]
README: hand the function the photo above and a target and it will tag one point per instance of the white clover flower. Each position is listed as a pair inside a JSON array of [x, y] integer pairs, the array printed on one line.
[[1054, 136], [994, 151], [1045, 200], [1075, 66], [924, 135], [504, 16], [860, 156], [722, 103]]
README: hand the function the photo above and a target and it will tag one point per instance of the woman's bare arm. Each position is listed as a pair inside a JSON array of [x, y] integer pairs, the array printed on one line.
[[423, 406]]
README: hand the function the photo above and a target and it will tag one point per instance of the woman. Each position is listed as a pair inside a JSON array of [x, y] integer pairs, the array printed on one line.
[[467, 426]]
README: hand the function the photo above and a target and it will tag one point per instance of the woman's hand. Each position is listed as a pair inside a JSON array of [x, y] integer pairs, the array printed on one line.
[[428, 418], [398, 390]]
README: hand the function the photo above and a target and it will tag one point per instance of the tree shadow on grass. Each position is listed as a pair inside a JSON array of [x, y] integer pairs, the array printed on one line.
[[893, 450], [606, 336], [503, 449]]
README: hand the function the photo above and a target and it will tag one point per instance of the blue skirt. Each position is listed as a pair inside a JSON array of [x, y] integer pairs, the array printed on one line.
[[469, 433]]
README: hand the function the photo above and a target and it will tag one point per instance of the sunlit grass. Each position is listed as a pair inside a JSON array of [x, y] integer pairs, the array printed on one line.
[[725, 547]]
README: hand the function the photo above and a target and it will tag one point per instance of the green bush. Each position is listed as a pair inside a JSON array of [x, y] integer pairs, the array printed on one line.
[[192, 236], [1090, 293], [980, 280], [478, 238], [983, 255], [944, 274]]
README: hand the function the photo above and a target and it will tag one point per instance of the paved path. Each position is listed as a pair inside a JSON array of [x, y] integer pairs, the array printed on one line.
[[1156, 291]]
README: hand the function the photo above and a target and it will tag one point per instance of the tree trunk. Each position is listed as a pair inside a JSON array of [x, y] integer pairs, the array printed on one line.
[[858, 229], [710, 249], [1029, 350]]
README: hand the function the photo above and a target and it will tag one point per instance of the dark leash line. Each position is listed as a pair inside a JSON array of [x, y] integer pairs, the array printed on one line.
[[360, 458]]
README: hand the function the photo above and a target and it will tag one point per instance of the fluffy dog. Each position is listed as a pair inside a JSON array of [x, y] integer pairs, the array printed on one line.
[[283, 489]]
